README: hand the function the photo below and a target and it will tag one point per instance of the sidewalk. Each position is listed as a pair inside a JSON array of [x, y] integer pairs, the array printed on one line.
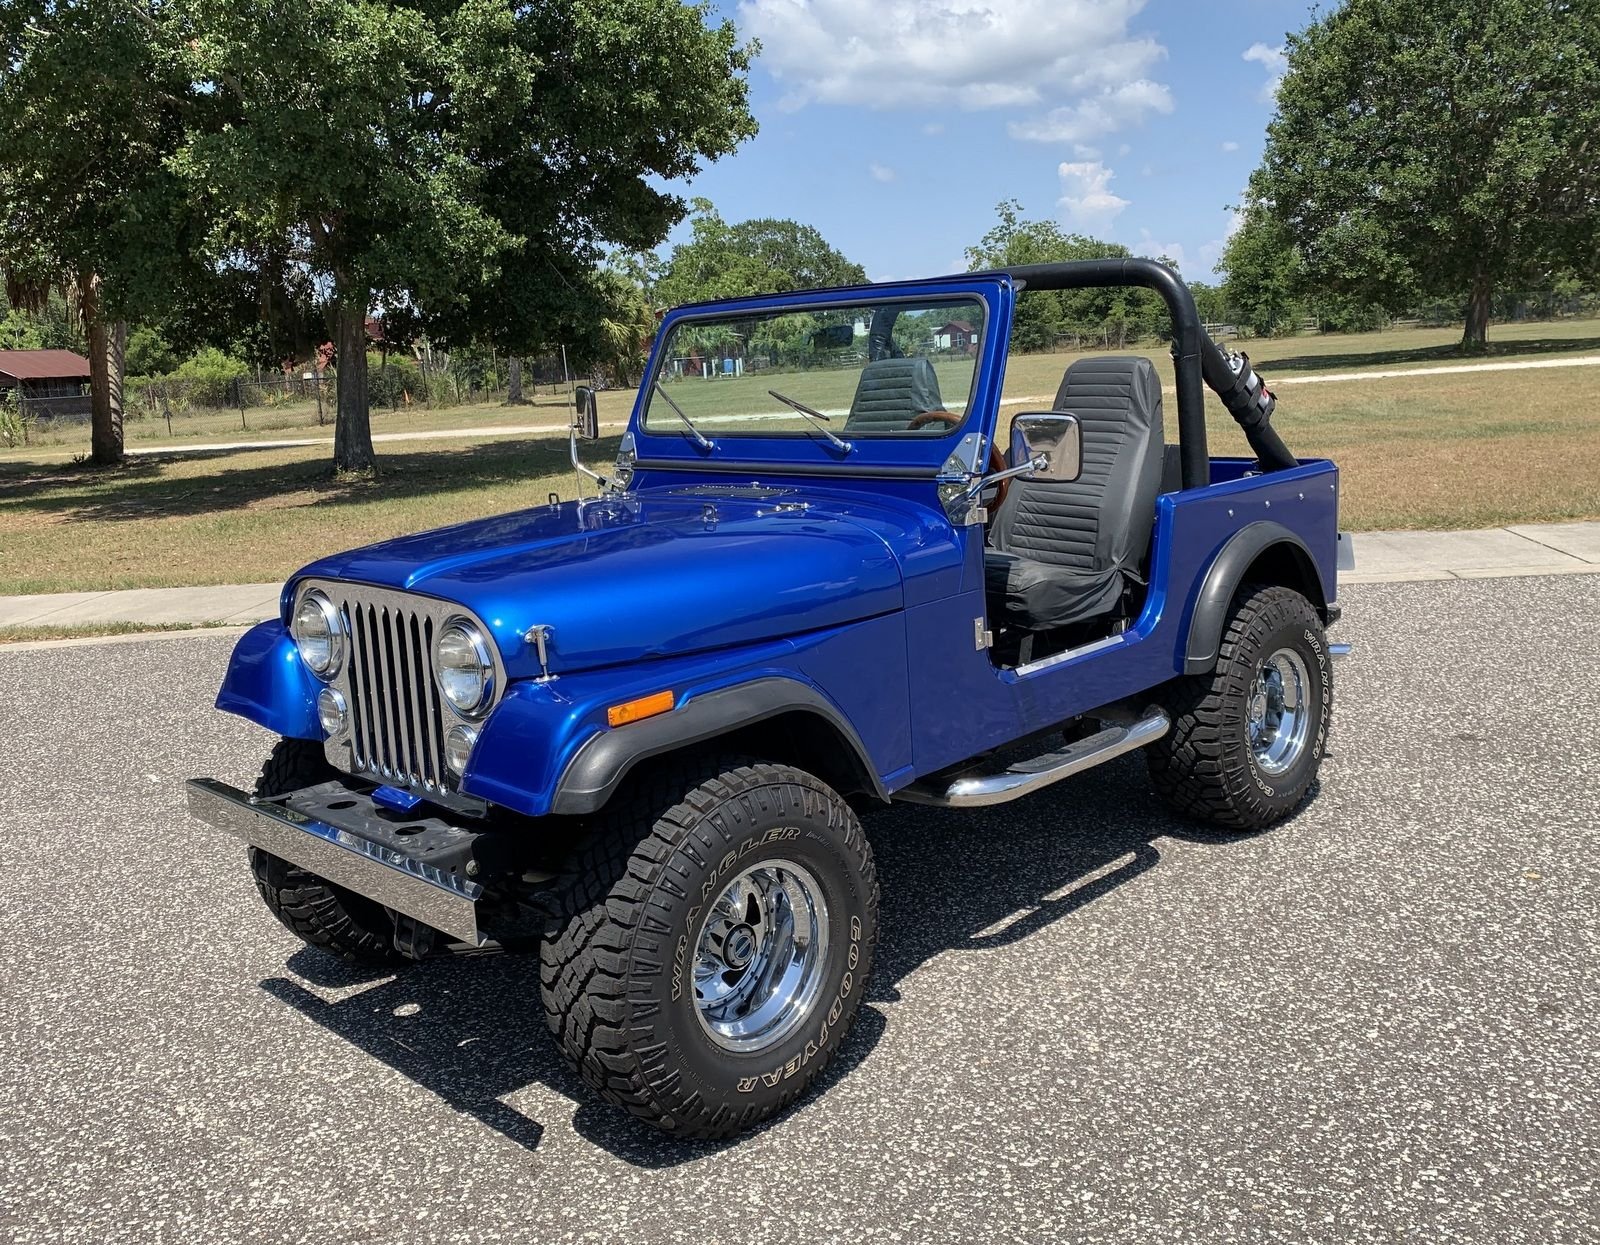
[[1381, 557]]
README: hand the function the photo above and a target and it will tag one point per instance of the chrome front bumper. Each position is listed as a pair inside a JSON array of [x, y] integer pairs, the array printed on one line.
[[358, 862]]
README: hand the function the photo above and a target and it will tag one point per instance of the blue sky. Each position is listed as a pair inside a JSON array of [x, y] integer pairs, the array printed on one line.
[[895, 126]]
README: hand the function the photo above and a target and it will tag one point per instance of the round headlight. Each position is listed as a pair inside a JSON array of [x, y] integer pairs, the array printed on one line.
[[319, 634], [465, 669], [458, 743]]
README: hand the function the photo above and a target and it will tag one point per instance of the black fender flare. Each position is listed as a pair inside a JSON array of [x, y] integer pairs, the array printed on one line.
[[602, 762], [1222, 580]]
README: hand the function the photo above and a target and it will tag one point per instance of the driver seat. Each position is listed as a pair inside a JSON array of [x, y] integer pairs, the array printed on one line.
[[1063, 553], [893, 392]]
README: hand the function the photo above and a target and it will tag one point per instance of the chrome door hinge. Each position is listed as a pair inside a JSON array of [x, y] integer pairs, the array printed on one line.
[[982, 637]]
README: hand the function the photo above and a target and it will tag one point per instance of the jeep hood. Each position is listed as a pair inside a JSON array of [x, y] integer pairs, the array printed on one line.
[[628, 579]]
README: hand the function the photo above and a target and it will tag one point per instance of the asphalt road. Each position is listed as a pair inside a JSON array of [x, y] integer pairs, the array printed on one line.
[[1090, 1023]]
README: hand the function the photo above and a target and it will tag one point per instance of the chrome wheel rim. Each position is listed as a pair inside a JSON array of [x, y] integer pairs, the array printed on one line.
[[1279, 718], [760, 957]]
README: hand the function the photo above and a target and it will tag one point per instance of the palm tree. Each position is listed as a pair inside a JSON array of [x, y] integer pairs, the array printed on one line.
[[28, 286]]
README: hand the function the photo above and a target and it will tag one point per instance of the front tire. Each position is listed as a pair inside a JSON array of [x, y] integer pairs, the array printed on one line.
[[320, 914], [714, 939], [1247, 739]]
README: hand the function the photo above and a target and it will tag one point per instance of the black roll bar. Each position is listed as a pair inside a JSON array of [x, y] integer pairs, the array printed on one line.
[[1197, 359]]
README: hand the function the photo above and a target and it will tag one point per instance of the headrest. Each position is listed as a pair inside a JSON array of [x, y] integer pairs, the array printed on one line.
[[893, 392]]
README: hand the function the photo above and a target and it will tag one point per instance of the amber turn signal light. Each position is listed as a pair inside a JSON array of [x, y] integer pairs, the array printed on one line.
[[635, 710]]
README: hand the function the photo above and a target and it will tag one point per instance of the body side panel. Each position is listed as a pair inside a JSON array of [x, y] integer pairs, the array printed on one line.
[[962, 705]]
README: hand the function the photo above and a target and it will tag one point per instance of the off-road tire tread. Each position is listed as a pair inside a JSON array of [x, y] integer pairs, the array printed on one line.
[[311, 908], [1195, 768], [600, 906]]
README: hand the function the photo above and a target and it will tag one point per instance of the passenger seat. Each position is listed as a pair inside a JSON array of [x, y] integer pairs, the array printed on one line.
[[1064, 553]]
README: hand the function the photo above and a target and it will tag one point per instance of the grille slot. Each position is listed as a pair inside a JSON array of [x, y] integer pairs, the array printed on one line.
[[396, 727]]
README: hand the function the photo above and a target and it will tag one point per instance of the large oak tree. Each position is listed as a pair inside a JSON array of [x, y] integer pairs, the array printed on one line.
[[1447, 147], [464, 163], [466, 158]]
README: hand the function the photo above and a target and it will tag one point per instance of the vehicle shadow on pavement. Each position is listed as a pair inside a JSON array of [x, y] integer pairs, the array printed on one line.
[[470, 1028]]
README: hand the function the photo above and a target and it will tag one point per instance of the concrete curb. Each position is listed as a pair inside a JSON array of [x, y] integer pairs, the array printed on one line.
[[133, 637], [1381, 558]]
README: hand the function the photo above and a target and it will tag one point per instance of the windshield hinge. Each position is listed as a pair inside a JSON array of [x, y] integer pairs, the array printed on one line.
[[539, 635], [982, 637]]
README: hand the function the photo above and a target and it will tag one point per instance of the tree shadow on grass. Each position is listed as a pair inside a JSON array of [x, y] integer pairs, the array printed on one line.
[[1450, 352], [471, 1030], [145, 487]]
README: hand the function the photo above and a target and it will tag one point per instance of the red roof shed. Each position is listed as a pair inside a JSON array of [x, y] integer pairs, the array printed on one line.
[[64, 365]]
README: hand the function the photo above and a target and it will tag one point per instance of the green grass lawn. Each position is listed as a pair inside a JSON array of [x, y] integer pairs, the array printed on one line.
[[1462, 450]]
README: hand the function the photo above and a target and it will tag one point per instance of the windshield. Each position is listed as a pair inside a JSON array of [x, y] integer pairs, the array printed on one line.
[[870, 369]]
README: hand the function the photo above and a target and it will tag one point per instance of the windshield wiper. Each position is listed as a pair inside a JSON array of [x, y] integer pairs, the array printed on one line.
[[695, 433], [817, 418]]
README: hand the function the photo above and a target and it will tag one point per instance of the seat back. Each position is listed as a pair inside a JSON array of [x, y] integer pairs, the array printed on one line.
[[1101, 520], [893, 392]]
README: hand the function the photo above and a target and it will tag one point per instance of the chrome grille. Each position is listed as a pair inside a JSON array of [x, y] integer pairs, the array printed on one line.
[[395, 721], [398, 718]]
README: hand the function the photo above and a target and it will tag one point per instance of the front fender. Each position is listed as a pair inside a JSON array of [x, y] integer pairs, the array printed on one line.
[[269, 684], [547, 747], [543, 752]]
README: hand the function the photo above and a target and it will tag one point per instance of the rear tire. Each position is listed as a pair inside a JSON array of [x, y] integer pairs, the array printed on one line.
[[713, 939], [1247, 739], [322, 915]]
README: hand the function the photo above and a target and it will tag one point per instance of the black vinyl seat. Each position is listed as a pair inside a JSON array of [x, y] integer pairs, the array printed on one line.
[[893, 392], [1063, 553]]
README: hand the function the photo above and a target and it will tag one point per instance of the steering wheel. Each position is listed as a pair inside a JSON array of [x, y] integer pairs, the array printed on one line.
[[997, 460]]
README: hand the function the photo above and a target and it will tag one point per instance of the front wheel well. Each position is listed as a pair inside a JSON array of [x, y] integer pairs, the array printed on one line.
[[799, 738], [809, 742]]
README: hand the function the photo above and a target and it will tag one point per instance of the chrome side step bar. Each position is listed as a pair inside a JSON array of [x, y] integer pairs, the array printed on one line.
[[1024, 777], [1339, 650]]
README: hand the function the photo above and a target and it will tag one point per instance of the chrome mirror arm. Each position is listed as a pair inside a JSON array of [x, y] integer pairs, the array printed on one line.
[[975, 490], [576, 464]]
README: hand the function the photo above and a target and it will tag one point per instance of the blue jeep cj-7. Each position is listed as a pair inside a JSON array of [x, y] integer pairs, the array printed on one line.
[[632, 731]]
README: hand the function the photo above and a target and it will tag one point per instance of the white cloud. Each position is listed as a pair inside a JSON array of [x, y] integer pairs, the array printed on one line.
[[1230, 145], [1075, 58], [881, 172], [1081, 152], [1149, 245], [1273, 60], [1100, 114], [933, 127], [1087, 202]]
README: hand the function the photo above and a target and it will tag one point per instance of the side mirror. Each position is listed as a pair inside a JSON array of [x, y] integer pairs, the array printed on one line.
[[1052, 439], [586, 423]]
